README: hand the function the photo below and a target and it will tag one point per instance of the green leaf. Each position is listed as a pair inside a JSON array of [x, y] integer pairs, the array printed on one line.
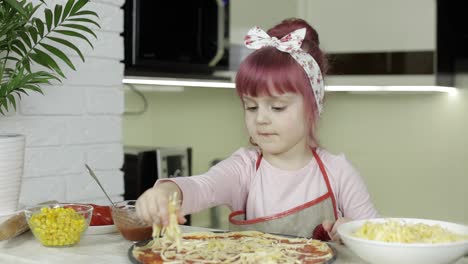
[[25, 38], [44, 79], [78, 6], [21, 90], [59, 54], [3, 104], [37, 77], [80, 27], [85, 12], [41, 81], [68, 44], [11, 58], [46, 75], [14, 80], [12, 100], [3, 90], [74, 34], [39, 26], [48, 17], [14, 4], [45, 60], [68, 8], [33, 88], [86, 20], [17, 51], [57, 14], [33, 32], [27, 65], [8, 28], [18, 43]]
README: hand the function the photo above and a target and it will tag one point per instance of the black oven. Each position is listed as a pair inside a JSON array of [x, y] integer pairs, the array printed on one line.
[[182, 37]]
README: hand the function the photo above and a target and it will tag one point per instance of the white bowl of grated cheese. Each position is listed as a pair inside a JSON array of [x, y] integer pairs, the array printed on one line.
[[405, 240]]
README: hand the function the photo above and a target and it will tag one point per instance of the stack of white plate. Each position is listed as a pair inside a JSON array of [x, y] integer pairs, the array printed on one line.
[[11, 171]]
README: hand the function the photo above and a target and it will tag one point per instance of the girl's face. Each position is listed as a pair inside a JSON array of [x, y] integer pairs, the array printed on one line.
[[276, 123]]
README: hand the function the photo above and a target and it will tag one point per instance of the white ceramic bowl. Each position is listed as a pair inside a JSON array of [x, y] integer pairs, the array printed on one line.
[[415, 253]]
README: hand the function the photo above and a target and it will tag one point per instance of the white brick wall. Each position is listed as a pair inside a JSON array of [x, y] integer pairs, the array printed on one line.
[[77, 121]]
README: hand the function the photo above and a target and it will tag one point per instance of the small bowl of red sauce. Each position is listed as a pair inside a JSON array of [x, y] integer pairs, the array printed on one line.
[[128, 223]]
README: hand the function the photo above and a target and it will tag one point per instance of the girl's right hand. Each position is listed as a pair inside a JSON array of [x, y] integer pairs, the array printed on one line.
[[151, 206]]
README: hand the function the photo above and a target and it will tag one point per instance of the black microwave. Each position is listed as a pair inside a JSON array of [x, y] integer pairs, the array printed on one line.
[[176, 37]]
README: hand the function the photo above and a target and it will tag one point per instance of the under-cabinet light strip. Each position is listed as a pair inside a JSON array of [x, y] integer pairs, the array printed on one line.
[[190, 83], [331, 88], [396, 88]]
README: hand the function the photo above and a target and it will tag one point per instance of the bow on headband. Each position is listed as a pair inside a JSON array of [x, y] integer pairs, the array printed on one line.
[[257, 38]]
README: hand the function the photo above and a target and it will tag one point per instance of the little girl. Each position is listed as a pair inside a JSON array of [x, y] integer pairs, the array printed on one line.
[[286, 183]]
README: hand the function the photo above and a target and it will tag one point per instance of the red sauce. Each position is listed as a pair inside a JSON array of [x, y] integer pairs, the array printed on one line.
[[133, 233], [149, 257], [313, 250]]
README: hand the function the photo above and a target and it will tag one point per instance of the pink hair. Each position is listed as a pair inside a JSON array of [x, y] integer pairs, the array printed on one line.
[[268, 70]]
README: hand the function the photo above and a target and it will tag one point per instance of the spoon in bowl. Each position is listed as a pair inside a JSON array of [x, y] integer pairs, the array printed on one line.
[[91, 172]]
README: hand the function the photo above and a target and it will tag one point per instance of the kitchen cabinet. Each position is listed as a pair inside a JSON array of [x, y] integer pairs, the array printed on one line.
[[372, 26], [368, 42], [245, 14], [346, 26]]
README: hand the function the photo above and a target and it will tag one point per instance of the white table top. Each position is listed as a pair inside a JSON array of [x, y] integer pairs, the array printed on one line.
[[106, 248]]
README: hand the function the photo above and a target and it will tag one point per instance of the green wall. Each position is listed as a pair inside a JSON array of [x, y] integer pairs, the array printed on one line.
[[208, 120], [410, 148]]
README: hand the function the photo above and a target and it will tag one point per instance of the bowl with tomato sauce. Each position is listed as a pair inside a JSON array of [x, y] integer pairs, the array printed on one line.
[[101, 221], [128, 223]]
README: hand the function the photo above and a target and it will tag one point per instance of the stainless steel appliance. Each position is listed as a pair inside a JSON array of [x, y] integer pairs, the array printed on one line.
[[144, 165]]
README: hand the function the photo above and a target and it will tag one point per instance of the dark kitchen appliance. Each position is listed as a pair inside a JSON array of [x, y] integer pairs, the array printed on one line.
[[163, 38], [144, 165]]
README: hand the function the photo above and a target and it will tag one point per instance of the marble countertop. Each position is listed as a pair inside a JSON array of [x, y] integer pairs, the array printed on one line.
[[104, 248]]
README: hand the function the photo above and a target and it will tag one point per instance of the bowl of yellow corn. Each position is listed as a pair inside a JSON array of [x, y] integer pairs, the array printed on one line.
[[405, 240], [59, 225]]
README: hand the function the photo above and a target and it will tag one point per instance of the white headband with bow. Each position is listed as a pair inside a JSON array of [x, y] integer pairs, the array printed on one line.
[[257, 38]]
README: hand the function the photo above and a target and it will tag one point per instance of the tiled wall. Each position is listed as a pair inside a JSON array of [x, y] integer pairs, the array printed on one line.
[[76, 122]]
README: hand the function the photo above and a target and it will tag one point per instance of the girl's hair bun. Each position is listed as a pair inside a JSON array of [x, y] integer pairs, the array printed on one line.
[[311, 43]]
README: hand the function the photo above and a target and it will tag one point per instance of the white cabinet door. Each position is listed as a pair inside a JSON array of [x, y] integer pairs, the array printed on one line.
[[372, 25], [245, 14]]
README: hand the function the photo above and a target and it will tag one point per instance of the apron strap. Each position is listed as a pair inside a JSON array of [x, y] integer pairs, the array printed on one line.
[[327, 181], [259, 159]]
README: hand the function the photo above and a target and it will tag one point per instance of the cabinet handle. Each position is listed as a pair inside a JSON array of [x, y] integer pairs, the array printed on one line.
[[220, 51], [134, 31]]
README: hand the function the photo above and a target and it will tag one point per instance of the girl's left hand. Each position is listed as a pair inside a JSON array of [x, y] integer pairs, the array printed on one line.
[[332, 228]]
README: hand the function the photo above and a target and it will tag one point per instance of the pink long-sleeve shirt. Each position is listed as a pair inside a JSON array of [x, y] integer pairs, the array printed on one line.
[[230, 183]]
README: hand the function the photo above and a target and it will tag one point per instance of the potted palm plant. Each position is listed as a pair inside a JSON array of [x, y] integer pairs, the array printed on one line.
[[27, 39], [33, 38]]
